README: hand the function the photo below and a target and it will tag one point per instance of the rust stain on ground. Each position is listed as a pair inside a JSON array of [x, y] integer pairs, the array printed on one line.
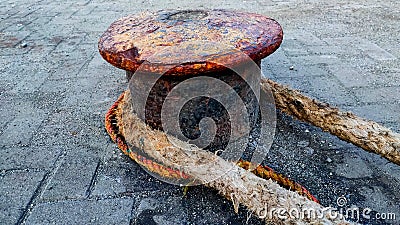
[[8, 41]]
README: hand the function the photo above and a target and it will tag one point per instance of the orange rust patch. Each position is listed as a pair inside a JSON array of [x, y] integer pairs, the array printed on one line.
[[131, 40]]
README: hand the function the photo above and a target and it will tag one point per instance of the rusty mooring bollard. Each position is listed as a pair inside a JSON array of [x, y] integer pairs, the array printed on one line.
[[131, 42], [162, 50]]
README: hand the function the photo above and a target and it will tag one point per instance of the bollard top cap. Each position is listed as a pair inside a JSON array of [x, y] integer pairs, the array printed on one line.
[[192, 41]]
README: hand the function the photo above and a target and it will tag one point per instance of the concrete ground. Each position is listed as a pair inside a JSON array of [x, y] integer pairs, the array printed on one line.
[[57, 164]]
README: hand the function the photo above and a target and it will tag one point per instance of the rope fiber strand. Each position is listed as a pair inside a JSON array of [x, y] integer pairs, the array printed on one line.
[[265, 172], [259, 194]]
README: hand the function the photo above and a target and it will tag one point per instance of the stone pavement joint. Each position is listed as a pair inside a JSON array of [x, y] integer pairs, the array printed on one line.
[[37, 195], [93, 180], [17, 188]]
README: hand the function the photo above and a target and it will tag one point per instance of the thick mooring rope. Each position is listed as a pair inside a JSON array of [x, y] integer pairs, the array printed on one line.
[[111, 122], [238, 185], [363, 133]]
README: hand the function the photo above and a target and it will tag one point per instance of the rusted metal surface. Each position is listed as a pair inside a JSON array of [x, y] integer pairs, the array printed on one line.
[[134, 39], [197, 108]]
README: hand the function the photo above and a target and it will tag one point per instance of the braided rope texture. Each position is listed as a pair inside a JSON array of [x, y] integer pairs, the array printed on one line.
[[265, 172]]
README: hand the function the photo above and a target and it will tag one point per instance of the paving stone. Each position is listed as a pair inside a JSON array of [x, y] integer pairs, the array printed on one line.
[[68, 44], [154, 211], [394, 126], [277, 58], [40, 50], [68, 69], [29, 157], [16, 190], [6, 111], [91, 37], [13, 51], [329, 90], [360, 62], [66, 184], [375, 52], [95, 24], [108, 211], [353, 167], [195, 208], [24, 12], [279, 71], [123, 175], [72, 85], [15, 70], [293, 47], [85, 98], [349, 77], [378, 95], [31, 83], [16, 27], [11, 39], [40, 20], [368, 47], [83, 11], [77, 126], [21, 129], [344, 41], [330, 50], [41, 37], [391, 169], [297, 71], [297, 83], [305, 37], [375, 198], [378, 112], [315, 60]]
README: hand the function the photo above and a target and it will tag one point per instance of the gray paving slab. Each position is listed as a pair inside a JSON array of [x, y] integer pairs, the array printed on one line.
[[329, 89], [120, 176], [65, 184], [196, 207], [107, 211], [349, 76], [58, 165], [378, 95], [376, 52], [378, 112], [16, 190], [19, 158], [20, 130]]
